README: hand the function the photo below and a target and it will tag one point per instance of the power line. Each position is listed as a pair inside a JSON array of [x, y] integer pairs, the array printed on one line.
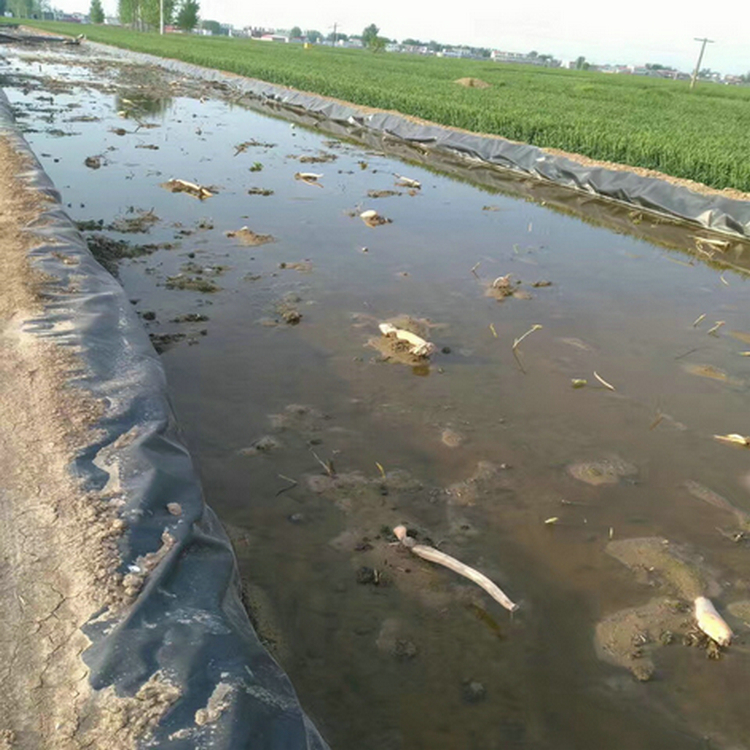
[[700, 59]]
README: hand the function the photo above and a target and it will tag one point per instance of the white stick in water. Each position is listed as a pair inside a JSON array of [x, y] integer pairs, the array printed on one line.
[[711, 622], [435, 556]]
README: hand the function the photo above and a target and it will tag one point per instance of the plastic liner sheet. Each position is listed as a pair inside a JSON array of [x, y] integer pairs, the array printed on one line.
[[715, 212], [187, 622], [9, 36]]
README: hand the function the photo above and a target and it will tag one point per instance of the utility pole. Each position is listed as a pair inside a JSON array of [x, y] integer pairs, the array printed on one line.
[[700, 60], [335, 26]]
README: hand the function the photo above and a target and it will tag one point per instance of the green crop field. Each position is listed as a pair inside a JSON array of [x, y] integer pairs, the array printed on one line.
[[644, 122]]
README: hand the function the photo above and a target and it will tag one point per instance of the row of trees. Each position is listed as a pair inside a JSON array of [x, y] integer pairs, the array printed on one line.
[[370, 37], [143, 14], [25, 8]]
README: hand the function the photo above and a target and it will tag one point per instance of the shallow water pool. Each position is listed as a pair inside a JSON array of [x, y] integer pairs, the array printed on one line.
[[312, 445]]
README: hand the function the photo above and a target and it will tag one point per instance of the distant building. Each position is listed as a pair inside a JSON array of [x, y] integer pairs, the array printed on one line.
[[612, 69], [68, 17], [256, 32], [274, 38], [520, 58], [457, 52], [511, 57], [415, 49]]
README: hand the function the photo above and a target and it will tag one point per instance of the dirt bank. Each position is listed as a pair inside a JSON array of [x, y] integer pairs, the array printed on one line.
[[58, 554]]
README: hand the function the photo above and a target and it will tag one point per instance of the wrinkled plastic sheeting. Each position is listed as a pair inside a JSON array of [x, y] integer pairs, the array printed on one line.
[[188, 621], [713, 211], [8, 35]]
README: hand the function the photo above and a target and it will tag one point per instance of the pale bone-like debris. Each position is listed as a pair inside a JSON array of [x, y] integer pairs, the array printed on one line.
[[733, 439], [408, 182], [440, 558], [711, 622]]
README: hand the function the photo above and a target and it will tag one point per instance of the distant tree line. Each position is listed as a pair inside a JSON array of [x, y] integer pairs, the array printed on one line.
[[145, 14], [25, 8]]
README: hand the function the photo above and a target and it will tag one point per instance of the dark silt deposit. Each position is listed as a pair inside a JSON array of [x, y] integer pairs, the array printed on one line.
[[496, 444]]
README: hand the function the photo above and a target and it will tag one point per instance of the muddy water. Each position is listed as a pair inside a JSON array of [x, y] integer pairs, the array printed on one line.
[[423, 659]]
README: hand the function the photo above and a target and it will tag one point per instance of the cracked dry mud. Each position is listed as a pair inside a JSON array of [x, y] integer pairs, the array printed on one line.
[[58, 544]]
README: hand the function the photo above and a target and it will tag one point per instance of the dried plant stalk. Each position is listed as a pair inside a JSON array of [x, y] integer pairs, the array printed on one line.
[[440, 558], [607, 385], [533, 328]]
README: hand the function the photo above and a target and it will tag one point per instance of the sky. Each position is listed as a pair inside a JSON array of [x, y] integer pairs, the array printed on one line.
[[631, 33]]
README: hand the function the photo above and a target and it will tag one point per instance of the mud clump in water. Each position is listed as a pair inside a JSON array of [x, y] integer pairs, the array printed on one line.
[[192, 277], [630, 637], [305, 420], [190, 318], [140, 221], [451, 438], [374, 219], [287, 309], [383, 193], [191, 284], [606, 471], [355, 492], [303, 266], [182, 186], [396, 350], [196, 268], [266, 444], [473, 691], [321, 158], [366, 575], [247, 237], [712, 373], [391, 640], [502, 288], [487, 478], [110, 252], [252, 143], [657, 561]]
